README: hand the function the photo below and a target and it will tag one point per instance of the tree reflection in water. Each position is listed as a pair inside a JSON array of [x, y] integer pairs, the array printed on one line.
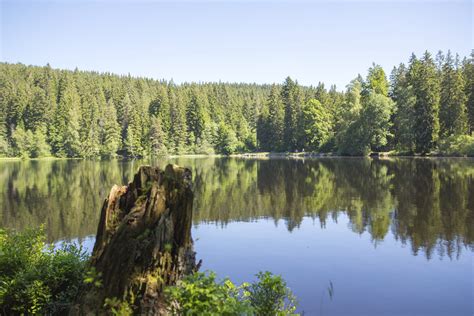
[[426, 203]]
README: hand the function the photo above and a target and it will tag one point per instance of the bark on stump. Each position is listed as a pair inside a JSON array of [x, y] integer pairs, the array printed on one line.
[[143, 241]]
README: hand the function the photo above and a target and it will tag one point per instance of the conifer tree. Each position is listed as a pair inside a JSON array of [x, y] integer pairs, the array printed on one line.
[[468, 72], [276, 119], [453, 116], [110, 131], [133, 137], [291, 98], [423, 77], [64, 130], [195, 116], [178, 132], [157, 138], [401, 93]]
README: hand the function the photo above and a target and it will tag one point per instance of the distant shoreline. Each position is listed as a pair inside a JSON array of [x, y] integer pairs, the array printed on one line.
[[254, 155]]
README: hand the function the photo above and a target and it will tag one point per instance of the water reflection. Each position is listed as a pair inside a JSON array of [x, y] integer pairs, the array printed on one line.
[[425, 203]]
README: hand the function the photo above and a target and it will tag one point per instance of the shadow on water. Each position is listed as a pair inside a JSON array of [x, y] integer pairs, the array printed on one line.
[[426, 203]]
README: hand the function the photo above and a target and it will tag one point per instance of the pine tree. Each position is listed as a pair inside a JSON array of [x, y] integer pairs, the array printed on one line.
[[376, 81], [36, 111], [110, 131], [263, 130], [178, 121], [89, 121], [401, 93], [452, 115], [423, 77], [291, 98], [468, 72], [195, 117], [64, 130], [276, 119], [157, 138], [133, 137]]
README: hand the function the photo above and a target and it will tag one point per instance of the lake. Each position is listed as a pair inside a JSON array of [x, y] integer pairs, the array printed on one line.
[[389, 236]]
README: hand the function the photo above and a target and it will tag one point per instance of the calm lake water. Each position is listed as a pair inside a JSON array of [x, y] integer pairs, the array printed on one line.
[[392, 237]]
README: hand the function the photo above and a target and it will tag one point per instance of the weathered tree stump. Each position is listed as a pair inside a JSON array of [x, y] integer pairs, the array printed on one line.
[[143, 242]]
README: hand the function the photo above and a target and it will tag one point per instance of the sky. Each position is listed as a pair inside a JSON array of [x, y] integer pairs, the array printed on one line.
[[232, 41]]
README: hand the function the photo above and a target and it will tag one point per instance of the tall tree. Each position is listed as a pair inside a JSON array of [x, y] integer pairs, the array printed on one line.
[[316, 125], [291, 97], [468, 71], [157, 138], [196, 116], [64, 130], [426, 88], [276, 119], [453, 116], [401, 93], [110, 132]]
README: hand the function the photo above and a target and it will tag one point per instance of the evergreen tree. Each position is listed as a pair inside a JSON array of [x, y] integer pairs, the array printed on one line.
[[89, 126], [133, 144], [178, 121], [263, 130], [376, 81], [401, 93], [157, 138], [36, 111], [423, 77], [291, 98], [276, 119], [110, 131], [64, 130], [195, 117], [452, 115], [468, 71]]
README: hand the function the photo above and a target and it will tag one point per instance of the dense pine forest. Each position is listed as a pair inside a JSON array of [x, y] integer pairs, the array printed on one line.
[[423, 107]]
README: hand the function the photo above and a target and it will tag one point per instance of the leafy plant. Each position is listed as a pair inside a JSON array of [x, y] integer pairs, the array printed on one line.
[[36, 278], [201, 294], [270, 295]]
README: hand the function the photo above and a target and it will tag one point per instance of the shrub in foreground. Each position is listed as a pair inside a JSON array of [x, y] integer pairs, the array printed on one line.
[[201, 294], [36, 278]]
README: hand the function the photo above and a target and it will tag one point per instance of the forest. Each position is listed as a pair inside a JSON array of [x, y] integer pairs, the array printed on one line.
[[426, 106]]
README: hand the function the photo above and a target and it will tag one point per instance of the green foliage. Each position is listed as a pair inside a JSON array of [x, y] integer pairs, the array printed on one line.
[[29, 144], [401, 92], [316, 125], [291, 97], [457, 145], [424, 78], [87, 114], [376, 81], [110, 133], [270, 295], [35, 278], [453, 113], [226, 140], [201, 294]]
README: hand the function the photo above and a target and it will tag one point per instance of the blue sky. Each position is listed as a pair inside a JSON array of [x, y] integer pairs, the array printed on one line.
[[238, 41]]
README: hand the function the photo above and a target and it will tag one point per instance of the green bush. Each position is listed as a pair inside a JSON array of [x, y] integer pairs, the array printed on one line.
[[36, 278], [462, 145], [270, 295], [201, 294]]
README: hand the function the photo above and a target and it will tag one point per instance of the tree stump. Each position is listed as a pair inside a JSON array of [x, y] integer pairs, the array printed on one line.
[[143, 242]]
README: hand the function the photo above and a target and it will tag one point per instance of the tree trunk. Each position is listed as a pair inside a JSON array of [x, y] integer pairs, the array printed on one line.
[[143, 243]]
